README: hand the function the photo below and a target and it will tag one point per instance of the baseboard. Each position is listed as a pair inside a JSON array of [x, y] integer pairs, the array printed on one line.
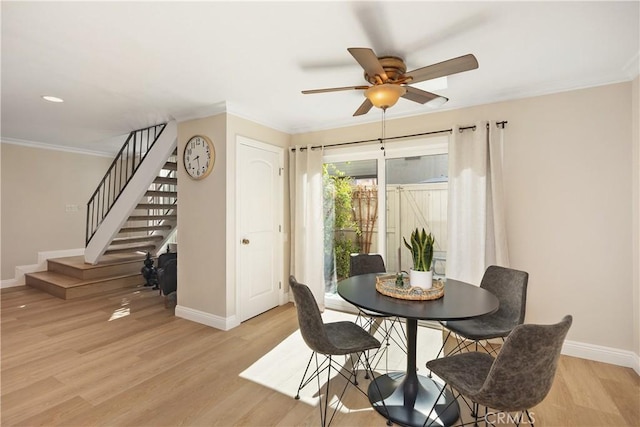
[[223, 323], [44, 256], [10, 283], [600, 353], [285, 298], [21, 270]]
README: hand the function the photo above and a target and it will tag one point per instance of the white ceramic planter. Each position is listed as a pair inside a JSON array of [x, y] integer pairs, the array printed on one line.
[[423, 279]]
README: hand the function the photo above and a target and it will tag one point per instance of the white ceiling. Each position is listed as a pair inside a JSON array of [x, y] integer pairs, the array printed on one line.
[[121, 66]]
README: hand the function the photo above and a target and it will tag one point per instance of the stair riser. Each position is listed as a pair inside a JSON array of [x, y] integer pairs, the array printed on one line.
[[105, 286], [45, 286], [96, 272]]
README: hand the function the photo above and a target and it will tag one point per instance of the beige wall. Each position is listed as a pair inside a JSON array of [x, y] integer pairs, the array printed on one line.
[[202, 223], [567, 180], [206, 218], [37, 184]]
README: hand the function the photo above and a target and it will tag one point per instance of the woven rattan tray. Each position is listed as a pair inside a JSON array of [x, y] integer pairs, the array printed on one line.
[[386, 285]]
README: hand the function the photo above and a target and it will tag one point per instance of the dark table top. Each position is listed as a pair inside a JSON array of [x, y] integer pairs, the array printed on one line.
[[460, 301]]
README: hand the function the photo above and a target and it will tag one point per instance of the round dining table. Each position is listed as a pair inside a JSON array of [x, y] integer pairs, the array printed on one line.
[[410, 398]]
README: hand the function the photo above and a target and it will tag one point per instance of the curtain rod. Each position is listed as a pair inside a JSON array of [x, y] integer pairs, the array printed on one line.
[[498, 124]]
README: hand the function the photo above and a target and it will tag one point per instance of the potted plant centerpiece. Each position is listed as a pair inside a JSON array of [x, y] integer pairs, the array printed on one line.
[[421, 248]]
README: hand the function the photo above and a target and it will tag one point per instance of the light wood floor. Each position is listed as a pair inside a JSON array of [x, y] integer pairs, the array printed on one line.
[[125, 360]]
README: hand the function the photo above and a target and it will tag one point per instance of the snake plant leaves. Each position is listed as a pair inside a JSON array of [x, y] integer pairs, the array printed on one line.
[[421, 248]]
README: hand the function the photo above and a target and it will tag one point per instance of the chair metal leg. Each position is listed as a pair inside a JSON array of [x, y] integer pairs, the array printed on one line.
[[297, 397], [441, 351], [373, 378], [428, 421], [387, 327], [330, 365], [323, 413]]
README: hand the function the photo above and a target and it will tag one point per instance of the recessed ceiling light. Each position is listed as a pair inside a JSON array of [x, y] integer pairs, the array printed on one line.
[[52, 98]]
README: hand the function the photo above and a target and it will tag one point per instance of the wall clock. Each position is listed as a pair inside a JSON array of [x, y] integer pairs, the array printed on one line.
[[199, 156]]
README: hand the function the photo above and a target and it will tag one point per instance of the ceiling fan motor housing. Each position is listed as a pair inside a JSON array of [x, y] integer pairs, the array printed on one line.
[[393, 66]]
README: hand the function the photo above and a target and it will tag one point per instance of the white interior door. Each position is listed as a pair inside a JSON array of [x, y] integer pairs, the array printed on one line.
[[260, 209]]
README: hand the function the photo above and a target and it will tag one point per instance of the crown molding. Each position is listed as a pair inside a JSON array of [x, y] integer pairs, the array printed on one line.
[[55, 147], [201, 112], [237, 111]]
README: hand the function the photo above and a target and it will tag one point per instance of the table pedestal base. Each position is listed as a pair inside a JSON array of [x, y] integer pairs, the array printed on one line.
[[409, 399]]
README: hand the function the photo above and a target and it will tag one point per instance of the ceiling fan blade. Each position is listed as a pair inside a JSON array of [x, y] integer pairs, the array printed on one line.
[[456, 29], [335, 89], [372, 18], [418, 95], [369, 61], [445, 68], [364, 108]]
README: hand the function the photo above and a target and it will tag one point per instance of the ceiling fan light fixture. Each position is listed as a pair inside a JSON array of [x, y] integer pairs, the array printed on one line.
[[385, 95]]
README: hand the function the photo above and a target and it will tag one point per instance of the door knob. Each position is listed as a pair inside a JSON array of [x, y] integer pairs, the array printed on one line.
[[245, 241]]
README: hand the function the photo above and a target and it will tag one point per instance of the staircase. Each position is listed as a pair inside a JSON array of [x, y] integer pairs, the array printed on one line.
[[155, 216], [132, 212], [134, 208]]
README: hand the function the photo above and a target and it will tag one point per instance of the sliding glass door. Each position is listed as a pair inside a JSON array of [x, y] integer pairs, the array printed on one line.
[[351, 215], [375, 197], [416, 197]]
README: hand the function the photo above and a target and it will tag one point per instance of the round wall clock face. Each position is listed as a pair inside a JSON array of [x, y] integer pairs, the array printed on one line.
[[199, 157]]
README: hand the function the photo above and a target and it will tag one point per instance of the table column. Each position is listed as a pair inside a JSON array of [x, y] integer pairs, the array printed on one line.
[[409, 397]]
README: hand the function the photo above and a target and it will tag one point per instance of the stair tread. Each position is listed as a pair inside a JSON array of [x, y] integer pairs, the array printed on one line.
[[130, 249], [170, 166], [152, 217], [64, 281], [145, 228], [161, 193], [165, 180], [79, 263], [122, 244], [156, 206], [133, 239]]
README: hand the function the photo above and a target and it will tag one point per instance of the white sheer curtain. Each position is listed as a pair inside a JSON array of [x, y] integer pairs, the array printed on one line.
[[477, 230], [307, 246]]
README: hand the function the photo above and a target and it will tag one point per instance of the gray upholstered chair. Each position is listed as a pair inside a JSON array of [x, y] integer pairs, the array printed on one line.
[[510, 287], [366, 263], [329, 340], [519, 377], [390, 327]]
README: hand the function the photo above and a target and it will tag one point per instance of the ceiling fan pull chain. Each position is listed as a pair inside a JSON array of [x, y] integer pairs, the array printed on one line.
[[384, 131]]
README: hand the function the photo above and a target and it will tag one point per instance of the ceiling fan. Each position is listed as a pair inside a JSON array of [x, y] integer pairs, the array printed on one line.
[[389, 79]]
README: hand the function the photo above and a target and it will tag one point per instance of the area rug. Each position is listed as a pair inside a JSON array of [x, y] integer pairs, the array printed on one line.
[[282, 368]]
